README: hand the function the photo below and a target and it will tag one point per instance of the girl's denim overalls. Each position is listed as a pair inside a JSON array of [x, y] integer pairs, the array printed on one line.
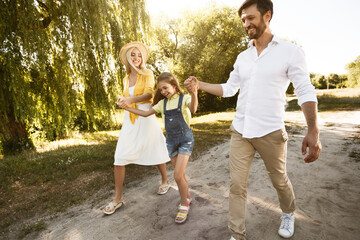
[[179, 137]]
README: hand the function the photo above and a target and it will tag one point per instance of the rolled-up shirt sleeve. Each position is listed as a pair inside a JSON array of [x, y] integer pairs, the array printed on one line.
[[300, 77], [231, 87]]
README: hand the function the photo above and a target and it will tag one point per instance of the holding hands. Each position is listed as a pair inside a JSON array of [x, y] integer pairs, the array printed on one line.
[[192, 84], [123, 102]]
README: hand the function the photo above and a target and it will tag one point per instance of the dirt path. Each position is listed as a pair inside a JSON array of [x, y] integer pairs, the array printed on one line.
[[327, 192]]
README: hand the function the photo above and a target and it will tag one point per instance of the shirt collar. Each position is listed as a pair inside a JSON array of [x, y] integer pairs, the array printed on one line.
[[175, 96], [274, 40]]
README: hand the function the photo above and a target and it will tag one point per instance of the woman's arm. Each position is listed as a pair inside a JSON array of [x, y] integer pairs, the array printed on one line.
[[139, 112], [135, 99]]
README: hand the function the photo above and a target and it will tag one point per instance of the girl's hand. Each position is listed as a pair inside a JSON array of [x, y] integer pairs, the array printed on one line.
[[119, 100], [123, 105]]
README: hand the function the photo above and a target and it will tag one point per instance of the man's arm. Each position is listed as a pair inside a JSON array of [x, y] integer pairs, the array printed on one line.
[[311, 140], [192, 83], [214, 89]]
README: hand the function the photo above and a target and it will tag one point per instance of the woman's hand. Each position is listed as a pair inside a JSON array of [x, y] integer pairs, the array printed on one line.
[[123, 102]]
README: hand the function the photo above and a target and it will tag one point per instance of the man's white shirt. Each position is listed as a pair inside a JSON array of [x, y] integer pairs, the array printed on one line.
[[262, 82]]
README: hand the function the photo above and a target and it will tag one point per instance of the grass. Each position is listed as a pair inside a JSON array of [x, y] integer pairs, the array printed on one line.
[[208, 135], [32, 228]]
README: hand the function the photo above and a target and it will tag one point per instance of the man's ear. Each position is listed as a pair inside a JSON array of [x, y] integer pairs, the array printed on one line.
[[267, 16]]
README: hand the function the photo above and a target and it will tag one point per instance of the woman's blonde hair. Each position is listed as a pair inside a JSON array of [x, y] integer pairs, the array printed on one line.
[[129, 62], [169, 78], [125, 56]]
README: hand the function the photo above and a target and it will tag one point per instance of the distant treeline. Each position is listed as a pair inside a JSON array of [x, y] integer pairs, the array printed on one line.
[[330, 81]]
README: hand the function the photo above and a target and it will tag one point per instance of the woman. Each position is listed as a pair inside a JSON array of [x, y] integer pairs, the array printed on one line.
[[141, 140]]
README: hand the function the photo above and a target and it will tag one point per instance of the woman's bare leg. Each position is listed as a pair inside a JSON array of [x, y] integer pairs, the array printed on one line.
[[119, 175], [162, 170]]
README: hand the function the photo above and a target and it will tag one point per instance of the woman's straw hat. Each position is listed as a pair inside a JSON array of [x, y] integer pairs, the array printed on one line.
[[142, 48]]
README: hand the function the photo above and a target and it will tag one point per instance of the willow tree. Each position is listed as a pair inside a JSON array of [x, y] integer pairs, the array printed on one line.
[[59, 69]]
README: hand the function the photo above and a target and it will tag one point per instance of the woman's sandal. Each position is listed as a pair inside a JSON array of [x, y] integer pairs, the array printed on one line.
[[112, 206], [182, 214], [164, 188]]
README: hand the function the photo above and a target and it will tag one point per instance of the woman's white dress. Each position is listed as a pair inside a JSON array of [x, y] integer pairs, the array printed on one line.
[[141, 143]]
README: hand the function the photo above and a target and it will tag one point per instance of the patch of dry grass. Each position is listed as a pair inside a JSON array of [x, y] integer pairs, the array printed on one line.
[[347, 99], [344, 92]]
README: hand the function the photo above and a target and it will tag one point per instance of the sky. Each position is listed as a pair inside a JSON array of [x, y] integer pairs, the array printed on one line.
[[327, 30]]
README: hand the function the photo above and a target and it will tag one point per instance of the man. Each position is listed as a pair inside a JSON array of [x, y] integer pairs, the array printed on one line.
[[262, 74]]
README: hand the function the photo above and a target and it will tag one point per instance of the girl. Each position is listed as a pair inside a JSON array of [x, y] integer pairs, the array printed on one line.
[[175, 108], [141, 140]]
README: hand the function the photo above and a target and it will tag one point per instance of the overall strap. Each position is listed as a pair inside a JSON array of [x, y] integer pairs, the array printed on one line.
[[165, 101], [180, 102]]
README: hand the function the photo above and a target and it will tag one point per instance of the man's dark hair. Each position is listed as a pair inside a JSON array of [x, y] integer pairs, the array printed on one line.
[[262, 5]]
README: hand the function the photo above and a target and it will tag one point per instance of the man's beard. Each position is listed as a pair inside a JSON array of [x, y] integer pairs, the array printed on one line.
[[259, 30]]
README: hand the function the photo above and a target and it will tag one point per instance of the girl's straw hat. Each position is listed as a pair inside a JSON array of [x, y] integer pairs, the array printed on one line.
[[142, 48]]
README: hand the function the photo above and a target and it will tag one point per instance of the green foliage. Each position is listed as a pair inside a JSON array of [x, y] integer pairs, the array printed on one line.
[[59, 68], [318, 80], [290, 89], [337, 81], [204, 44], [331, 81], [353, 69]]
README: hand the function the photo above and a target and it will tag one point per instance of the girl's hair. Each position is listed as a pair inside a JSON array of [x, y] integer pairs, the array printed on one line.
[[169, 78]]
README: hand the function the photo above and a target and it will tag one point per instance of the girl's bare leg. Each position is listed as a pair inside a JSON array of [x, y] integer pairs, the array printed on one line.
[[180, 161]]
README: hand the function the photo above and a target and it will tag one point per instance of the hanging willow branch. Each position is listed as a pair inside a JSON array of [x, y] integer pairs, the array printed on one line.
[[46, 19]]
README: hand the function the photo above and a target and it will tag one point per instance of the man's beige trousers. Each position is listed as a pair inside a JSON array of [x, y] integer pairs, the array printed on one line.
[[272, 149]]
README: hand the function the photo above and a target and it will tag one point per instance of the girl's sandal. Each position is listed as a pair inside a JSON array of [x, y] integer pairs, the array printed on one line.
[[182, 214], [189, 200]]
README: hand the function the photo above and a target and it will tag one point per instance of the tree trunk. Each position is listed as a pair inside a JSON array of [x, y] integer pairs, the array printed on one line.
[[14, 136]]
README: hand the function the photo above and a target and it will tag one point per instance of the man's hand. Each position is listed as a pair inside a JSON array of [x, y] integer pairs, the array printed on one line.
[[311, 141], [191, 84]]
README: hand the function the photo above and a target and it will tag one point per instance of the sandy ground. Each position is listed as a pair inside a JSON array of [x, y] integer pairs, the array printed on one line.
[[327, 191]]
